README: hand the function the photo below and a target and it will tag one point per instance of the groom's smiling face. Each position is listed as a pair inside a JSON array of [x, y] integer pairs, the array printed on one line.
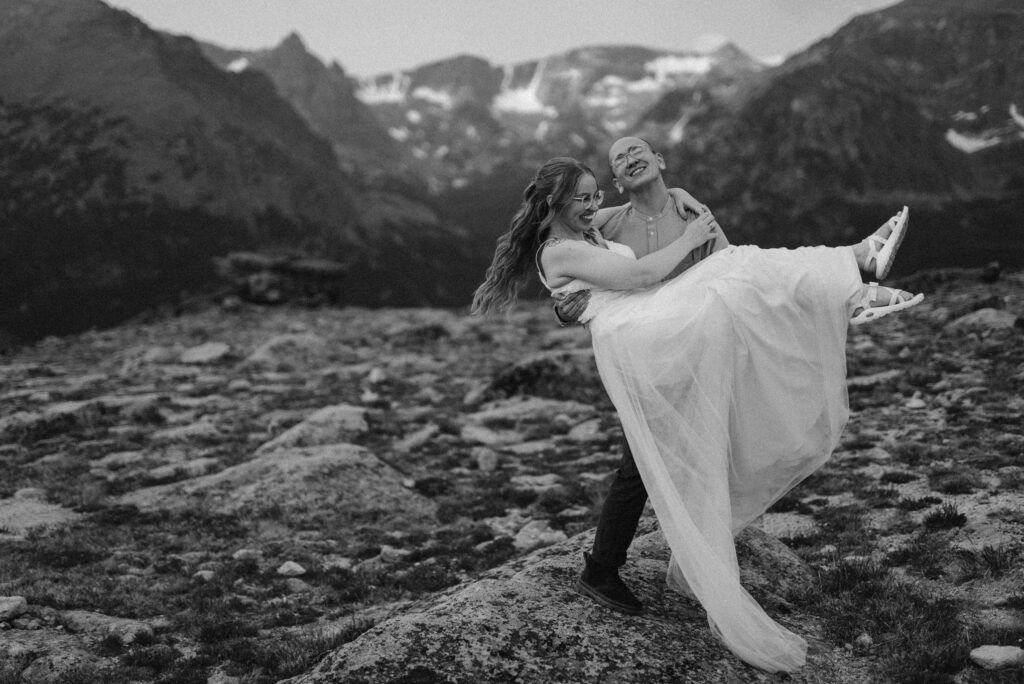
[[634, 164]]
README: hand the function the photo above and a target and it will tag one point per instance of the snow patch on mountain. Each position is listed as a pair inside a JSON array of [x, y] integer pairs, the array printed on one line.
[[665, 67], [237, 65], [969, 144], [522, 100], [1017, 117], [384, 90], [438, 97]]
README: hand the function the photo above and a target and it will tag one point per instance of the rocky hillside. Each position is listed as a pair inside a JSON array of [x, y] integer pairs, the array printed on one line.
[[251, 494], [131, 160], [915, 104]]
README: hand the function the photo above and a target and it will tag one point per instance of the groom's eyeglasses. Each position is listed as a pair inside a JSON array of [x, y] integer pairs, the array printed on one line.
[[587, 199], [633, 151]]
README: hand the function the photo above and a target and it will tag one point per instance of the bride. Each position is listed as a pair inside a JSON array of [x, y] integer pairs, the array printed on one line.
[[729, 379]]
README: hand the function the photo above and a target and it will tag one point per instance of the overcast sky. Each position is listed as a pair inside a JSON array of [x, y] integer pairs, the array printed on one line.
[[367, 37]]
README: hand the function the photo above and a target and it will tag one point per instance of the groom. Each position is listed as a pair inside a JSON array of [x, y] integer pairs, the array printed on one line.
[[649, 222]]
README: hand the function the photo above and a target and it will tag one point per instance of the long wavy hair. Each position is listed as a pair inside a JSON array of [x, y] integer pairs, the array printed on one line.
[[516, 252]]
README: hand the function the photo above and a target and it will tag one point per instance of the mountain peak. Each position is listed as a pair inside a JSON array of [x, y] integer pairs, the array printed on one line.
[[293, 41]]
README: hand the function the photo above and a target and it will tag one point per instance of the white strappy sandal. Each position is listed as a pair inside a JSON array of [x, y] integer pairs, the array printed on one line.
[[870, 312], [883, 249]]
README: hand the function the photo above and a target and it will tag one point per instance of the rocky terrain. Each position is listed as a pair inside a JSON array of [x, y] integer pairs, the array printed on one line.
[[250, 494]]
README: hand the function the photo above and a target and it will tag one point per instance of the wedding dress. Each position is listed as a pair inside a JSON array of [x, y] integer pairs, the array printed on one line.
[[730, 383]]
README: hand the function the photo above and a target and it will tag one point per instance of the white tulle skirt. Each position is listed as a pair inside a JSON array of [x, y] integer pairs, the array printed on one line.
[[730, 382]]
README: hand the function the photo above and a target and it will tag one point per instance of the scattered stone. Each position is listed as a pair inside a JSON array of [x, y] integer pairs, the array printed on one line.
[[198, 431], [873, 379], [209, 352], [916, 402], [587, 431], [391, 554], [416, 439], [288, 350], [246, 554], [126, 630], [532, 448], [998, 657], [204, 575], [537, 483], [486, 459], [992, 319], [297, 586], [329, 425], [11, 607], [536, 534], [335, 562], [30, 494], [58, 667], [291, 569]]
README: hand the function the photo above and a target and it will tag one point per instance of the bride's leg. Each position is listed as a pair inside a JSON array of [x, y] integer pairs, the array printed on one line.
[[875, 253]]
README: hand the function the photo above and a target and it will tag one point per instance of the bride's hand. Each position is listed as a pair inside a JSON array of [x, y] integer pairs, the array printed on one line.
[[684, 202], [702, 229]]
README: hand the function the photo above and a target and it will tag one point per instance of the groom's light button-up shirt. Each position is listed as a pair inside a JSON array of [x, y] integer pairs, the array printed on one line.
[[645, 234]]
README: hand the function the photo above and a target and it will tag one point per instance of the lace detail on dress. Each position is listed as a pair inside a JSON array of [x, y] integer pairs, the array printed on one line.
[[536, 257]]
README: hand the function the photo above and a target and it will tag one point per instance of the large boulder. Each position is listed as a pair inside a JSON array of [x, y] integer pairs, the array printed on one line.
[[524, 622], [327, 481]]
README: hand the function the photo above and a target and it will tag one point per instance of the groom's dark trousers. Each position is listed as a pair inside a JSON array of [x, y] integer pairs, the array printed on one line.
[[620, 513]]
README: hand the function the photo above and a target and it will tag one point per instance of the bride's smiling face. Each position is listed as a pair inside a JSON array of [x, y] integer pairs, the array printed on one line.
[[578, 214]]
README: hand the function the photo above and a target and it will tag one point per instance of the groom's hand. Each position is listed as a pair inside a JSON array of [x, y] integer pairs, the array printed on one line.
[[569, 307]]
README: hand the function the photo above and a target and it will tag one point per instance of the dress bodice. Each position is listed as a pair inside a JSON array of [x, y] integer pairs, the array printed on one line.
[[576, 285]]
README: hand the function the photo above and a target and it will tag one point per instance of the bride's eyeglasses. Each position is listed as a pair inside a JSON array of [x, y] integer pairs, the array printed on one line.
[[586, 199]]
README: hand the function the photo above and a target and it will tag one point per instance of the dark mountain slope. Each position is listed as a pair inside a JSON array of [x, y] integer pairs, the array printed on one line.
[[910, 105], [130, 160]]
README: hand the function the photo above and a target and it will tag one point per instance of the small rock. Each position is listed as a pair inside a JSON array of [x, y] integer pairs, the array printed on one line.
[[486, 459], [417, 439], [210, 352], [205, 575], [997, 657], [863, 642], [536, 534], [297, 586], [984, 319], [291, 569], [874, 379], [30, 494], [586, 431], [11, 607], [376, 376], [390, 554], [916, 402], [335, 562], [246, 554]]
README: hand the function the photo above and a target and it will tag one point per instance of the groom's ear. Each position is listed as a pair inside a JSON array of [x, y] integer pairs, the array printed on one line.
[[661, 161], [618, 185]]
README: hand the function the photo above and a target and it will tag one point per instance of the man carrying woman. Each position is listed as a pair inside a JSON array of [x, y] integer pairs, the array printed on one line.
[[729, 378]]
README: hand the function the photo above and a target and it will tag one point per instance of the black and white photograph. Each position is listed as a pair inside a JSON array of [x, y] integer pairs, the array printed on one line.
[[535, 342]]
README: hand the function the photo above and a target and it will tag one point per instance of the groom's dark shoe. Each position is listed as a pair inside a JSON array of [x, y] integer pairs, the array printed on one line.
[[604, 585]]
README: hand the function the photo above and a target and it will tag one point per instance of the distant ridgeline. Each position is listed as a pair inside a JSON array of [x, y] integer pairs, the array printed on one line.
[[134, 159]]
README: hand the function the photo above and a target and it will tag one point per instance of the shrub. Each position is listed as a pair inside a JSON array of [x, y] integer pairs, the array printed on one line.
[[918, 504], [926, 553], [897, 477], [993, 561], [914, 634], [947, 517]]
